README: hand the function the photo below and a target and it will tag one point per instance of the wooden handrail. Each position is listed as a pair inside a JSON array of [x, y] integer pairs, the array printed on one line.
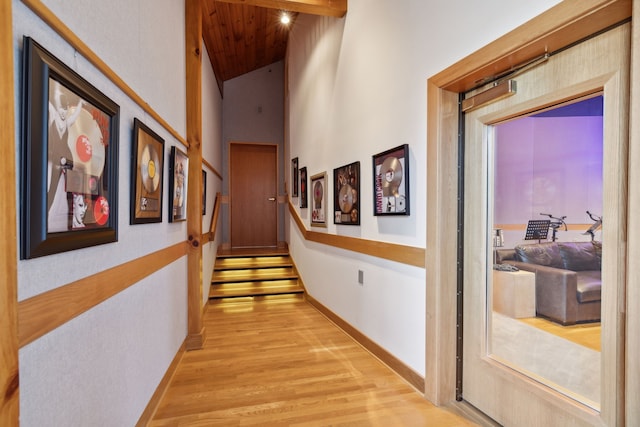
[[410, 255], [211, 235]]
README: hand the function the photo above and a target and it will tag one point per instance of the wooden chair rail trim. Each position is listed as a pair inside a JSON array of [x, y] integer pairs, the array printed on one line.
[[65, 32], [412, 377], [47, 311], [210, 166], [154, 402], [410, 255]]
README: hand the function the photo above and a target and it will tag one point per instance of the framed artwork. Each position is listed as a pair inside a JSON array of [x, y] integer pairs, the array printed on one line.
[[346, 198], [294, 177], [391, 182], [303, 187], [69, 159], [146, 181], [319, 207], [204, 192], [178, 174]]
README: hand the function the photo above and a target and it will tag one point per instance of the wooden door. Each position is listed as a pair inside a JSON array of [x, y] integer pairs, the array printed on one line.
[[504, 386], [253, 195]]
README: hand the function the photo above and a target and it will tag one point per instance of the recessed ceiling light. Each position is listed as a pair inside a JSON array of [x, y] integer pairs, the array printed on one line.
[[285, 18]]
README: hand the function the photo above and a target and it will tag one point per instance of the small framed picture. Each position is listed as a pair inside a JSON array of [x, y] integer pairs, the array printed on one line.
[[204, 192], [146, 179], [346, 198], [319, 200], [178, 174], [391, 182], [294, 177], [69, 182], [303, 187]]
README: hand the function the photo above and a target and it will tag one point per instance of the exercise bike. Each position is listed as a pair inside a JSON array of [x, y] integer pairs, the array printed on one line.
[[557, 223]]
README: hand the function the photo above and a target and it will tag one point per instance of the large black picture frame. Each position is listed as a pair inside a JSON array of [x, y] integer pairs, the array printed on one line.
[[69, 192], [346, 194], [391, 182], [320, 194], [147, 166]]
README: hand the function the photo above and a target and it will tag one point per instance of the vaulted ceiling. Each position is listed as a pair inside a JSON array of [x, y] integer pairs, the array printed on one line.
[[244, 35]]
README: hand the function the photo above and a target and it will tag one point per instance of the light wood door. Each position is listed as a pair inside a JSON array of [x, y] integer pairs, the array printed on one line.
[[253, 195], [503, 390]]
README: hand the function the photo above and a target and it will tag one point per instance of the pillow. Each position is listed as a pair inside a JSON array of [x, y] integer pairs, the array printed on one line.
[[579, 256], [546, 254]]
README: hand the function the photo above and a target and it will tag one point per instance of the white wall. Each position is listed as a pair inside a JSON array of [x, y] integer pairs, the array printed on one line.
[[102, 367], [142, 41], [357, 87]]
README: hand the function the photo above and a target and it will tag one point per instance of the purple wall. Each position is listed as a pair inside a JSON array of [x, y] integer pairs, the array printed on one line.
[[551, 165]]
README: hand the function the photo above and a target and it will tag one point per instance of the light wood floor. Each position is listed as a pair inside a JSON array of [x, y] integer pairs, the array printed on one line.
[[277, 361], [585, 334]]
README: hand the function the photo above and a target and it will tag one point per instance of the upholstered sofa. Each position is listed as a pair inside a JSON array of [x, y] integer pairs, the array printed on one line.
[[568, 278]]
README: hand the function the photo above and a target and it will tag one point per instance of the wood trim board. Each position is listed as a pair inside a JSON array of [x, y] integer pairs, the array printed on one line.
[[210, 166], [632, 345], [47, 311], [399, 253], [154, 402]]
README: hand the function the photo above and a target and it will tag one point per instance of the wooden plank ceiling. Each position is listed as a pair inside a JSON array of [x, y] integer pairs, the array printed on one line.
[[244, 35]]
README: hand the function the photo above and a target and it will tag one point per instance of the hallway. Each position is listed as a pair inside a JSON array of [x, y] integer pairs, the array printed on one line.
[[277, 361]]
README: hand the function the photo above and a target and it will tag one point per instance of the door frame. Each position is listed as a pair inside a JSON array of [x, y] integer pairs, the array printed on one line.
[[560, 26], [277, 177]]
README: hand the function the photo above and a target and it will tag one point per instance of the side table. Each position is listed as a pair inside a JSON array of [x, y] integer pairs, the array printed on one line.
[[514, 293]]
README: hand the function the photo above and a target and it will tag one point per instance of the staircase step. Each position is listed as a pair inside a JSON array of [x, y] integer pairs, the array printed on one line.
[[240, 301], [252, 252], [231, 263], [254, 272], [252, 275], [243, 289]]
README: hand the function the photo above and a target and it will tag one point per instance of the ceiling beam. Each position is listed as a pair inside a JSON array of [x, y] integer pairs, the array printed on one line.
[[336, 8]]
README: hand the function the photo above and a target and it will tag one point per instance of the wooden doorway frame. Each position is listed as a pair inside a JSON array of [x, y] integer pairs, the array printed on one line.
[[559, 27]]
